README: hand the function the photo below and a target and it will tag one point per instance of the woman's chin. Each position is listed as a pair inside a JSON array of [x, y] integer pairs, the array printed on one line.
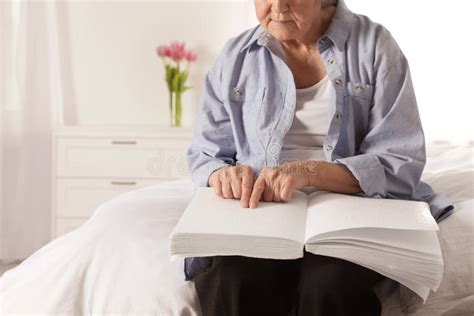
[[282, 31]]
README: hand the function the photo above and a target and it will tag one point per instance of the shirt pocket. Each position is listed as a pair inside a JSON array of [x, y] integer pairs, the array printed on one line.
[[243, 94], [246, 105], [360, 90], [359, 95], [358, 101]]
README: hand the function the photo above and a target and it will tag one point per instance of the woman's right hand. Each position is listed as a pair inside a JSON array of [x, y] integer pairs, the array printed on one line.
[[233, 182]]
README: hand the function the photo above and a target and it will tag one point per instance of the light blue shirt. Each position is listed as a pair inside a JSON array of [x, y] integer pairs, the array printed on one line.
[[248, 104]]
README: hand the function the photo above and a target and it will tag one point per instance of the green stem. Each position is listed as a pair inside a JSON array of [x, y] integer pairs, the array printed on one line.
[[171, 106], [178, 109]]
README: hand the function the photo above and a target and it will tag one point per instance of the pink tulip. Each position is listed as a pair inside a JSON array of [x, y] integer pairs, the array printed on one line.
[[168, 52], [190, 56], [160, 50], [177, 46], [177, 51], [163, 51], [174, 56]]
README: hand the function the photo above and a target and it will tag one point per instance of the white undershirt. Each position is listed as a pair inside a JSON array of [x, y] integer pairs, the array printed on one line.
[[305, 138]]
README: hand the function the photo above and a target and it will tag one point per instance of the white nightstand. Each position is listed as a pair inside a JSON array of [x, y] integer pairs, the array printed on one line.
[[93, 164]]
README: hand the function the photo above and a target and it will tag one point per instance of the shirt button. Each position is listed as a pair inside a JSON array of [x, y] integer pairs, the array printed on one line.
[[338, 82], [331, 61], [359, 88], [237, 91], [328, 147], [338, 115]]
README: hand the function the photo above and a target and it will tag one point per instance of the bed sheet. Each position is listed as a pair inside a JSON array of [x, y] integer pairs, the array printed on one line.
[[117, 262]]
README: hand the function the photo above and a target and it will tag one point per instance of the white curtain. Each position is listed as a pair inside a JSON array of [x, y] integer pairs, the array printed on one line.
[[31, 101]]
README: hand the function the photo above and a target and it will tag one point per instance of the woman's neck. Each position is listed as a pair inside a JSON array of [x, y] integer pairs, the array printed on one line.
[[307, 43]]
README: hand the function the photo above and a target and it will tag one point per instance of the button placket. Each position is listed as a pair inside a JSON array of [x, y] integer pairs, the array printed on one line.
[[335, 67], [335, 71]]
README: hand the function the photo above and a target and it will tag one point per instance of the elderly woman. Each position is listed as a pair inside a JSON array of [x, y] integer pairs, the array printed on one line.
[[314, 98]]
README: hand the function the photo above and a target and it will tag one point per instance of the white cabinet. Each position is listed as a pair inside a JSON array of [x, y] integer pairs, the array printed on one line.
[[93, 164]]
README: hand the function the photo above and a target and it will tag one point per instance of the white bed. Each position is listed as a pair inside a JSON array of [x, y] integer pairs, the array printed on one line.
[[117, 262]]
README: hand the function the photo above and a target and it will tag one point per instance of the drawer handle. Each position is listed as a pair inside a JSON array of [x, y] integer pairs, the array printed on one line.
[[124, 142], [123, 182]]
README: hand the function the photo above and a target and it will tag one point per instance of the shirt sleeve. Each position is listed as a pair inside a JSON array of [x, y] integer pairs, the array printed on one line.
[[392, 155], [212, 145]]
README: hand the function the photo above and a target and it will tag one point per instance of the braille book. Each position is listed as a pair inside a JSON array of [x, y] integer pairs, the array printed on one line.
[[396, 238]]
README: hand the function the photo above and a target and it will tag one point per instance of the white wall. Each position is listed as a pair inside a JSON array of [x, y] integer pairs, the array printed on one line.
[[436, 37], [117, 78]]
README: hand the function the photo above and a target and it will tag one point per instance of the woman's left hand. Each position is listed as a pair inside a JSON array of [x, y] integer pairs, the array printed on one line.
[[278, 183]]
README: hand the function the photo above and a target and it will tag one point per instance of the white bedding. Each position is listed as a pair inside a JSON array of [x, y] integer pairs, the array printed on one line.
[[118, 262]]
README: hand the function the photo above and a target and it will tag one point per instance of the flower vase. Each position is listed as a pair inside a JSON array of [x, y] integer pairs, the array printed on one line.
[[175, 108], [176, 75]]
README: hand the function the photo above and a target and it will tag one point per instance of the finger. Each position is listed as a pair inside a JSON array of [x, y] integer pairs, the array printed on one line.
[[247, 184], [213, 178], [236, 182], [268, 192], [217, 185], [258, 188], [276, 191], [287, 190], [226, 188], [237, 188]]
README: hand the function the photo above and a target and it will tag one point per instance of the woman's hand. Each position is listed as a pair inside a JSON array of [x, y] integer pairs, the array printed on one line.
[[233, 182], [278, 183]]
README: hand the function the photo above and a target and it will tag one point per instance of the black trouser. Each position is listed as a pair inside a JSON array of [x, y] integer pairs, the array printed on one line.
[[314, 285]]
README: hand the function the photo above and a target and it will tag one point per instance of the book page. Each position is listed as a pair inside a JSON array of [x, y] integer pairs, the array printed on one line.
[[329, 211], [210, 214], [388, 239]]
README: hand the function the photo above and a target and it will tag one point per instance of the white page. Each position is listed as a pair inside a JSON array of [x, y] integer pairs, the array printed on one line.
[[429, 270], [329, 211], [209, 214], [387, 267], [421, 290], [426, 241]]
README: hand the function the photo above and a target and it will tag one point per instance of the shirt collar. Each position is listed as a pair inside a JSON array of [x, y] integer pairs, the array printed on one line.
[[338, 30]]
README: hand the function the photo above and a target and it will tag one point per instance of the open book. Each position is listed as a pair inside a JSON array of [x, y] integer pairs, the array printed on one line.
[[396, 238]]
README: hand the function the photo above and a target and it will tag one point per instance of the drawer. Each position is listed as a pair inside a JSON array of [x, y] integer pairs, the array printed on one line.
[[122, 158], [81, 197], [66, 225]]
